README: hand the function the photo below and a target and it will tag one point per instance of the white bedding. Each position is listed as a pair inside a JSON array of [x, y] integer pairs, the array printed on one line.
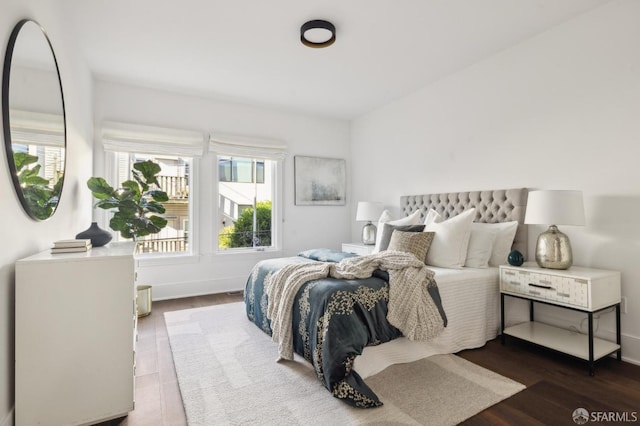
[[471, 301]]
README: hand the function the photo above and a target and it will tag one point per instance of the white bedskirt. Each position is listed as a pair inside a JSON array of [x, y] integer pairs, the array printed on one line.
[[471, 300]]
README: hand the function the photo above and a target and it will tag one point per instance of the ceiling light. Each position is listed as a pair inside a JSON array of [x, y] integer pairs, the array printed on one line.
[[317, 33]]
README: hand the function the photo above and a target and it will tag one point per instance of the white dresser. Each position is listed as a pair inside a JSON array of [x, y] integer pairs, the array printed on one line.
[[75, 336]]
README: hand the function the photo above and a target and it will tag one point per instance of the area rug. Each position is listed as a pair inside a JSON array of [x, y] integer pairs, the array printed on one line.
[[228, 375]]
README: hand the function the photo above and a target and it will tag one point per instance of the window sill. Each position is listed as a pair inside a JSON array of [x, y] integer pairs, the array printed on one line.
[[249, 253]]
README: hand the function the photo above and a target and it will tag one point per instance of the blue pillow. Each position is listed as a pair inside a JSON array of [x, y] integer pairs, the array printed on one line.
[[325, 255]]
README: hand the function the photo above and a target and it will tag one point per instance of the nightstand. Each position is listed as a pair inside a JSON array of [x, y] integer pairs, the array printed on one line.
[[579, 289], [358, 248]]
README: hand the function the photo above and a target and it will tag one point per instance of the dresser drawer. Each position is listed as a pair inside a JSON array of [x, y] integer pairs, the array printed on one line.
[[553, 288]]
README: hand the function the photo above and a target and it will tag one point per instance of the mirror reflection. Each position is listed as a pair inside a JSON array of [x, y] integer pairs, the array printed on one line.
[[34, 120]]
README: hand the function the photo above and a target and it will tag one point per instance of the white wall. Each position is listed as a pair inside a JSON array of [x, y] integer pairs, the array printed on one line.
[[20, 235], [559, 111], [304, 226]]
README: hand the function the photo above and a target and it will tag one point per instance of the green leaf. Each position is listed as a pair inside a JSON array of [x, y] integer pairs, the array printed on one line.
[[140, 179], [118, 222], [133, 187], [57, 188], [158, 221], [154, 207], [159, 195], [110, 203], [100, 188], [124, 194], [149, 170], [130, 208], [127, 233], [33, 180], [23, 159]]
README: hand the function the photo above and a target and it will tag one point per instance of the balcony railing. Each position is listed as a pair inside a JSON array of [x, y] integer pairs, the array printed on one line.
[[163, 245], [176, 187]]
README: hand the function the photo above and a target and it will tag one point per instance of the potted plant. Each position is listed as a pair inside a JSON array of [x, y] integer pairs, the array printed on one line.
[[137, 205]]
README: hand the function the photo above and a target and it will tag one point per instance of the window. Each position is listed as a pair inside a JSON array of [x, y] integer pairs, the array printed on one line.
[[245, 204], [176, 152], [248, 191], [174, 180]]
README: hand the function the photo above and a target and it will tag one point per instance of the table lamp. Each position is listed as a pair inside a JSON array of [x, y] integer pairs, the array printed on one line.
[[368, 211], [554, 207]]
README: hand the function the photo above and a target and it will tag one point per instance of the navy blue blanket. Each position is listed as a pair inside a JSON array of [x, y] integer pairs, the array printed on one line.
[[333, 321]]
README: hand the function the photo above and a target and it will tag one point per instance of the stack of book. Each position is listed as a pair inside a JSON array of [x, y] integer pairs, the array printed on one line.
[[71, 246]]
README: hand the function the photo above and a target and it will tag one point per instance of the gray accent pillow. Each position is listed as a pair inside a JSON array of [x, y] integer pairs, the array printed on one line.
[[387, 231], [416, 243]]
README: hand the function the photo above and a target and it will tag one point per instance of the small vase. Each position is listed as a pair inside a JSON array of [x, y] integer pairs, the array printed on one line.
[[515, 258], [97, 235]]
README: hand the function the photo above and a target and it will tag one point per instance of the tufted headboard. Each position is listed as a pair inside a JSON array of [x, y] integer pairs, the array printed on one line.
[[500, 205]]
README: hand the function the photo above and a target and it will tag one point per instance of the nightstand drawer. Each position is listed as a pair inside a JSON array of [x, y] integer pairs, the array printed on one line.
[[357, 248], [581, 288], [553, 288]]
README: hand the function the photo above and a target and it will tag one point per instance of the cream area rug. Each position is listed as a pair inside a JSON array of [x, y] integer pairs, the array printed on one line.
[[228, 375]]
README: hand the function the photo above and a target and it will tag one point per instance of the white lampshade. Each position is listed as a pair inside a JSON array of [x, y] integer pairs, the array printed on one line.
[[553, 248], [368, 211], [555, 207]]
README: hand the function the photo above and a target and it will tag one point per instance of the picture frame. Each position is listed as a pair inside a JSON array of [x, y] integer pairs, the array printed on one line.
[[320, 181]]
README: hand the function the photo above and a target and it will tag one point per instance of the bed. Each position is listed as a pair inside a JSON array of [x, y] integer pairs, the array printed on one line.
[[345, 349]]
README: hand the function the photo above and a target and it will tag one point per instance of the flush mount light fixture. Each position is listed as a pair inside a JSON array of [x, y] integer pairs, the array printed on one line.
[[317, 33]]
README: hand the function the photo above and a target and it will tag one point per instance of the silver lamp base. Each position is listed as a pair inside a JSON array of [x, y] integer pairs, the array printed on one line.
[[553, 250], [369, 234]]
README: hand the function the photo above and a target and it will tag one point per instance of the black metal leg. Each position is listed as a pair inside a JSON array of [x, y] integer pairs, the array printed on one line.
[[502, 317], [591, 363], [618, 336], [531, 310]]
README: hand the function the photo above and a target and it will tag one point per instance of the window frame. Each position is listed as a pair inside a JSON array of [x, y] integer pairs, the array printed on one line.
[[260, 149], [276, 211], [104, 216], [152, 140]]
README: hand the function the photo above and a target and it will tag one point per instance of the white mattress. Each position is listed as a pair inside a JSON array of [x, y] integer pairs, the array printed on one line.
[[471, 301]]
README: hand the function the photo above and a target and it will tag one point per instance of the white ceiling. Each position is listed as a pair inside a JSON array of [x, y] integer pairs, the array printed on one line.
[[250, 51]]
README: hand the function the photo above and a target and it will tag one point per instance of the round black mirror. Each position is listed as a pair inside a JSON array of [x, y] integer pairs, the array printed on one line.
[[33, 118]]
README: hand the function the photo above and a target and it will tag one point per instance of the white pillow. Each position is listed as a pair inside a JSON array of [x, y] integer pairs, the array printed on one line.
[[385, 217], [503, 242], [449, 246], [480, 246], [431, 217]]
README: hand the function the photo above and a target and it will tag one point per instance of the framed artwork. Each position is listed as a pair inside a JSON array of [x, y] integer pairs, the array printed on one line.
[[320, 181]]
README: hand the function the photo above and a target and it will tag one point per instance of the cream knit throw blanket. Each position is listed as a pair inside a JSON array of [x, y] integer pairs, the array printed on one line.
[[410, 309]]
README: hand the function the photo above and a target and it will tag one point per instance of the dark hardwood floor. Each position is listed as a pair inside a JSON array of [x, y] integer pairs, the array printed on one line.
[[556, 384]]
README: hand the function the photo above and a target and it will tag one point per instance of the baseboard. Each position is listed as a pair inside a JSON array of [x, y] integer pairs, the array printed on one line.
[[197, 288], [8, 419]]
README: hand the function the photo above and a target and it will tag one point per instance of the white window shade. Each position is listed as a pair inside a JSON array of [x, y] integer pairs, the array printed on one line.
[[244, 146], [34, 128], [124, 137]]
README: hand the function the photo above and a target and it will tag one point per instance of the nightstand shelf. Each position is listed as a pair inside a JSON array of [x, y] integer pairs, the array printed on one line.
[[580, 289], [562, 340]]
